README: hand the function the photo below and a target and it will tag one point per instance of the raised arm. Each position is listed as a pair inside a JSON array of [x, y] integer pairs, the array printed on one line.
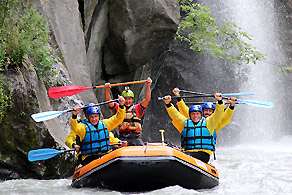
[[182, 107], [78, 128], [118, 118], [178, 120], [213, 120], [227, 116], [107, 87], [147, 99]]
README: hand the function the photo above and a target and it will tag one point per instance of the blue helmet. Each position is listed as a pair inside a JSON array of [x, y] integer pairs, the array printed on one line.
[[93, 110], [85, 109], [209, 105], [196, 108]]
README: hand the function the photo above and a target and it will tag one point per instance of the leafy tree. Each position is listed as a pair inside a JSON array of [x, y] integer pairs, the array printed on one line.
[[202, 32], [24, 34], [5, 100]]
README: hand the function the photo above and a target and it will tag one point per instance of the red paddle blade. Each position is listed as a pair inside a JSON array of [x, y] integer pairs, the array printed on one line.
[[63, 91]]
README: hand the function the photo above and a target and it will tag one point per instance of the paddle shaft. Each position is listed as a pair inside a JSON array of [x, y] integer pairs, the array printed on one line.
[[119, 84], [257, 103], [63, 91], [98, 104], [192, 96], [223, 94], [204, 102]]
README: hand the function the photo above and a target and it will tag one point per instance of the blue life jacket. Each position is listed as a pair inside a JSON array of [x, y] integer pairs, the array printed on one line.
[[95, 140], [215, 135], [197, 136]]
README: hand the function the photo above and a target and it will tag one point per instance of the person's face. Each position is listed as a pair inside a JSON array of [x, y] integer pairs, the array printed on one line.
[[207, 112], [129, 101], [93, 118], [196, 116]]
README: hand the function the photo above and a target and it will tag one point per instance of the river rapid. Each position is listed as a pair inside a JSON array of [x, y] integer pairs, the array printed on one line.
[[262, 168]]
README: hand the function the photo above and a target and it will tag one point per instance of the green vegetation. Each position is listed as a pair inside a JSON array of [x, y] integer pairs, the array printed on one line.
[[24, 35], [5, 100], [203, 33], [284, 69]]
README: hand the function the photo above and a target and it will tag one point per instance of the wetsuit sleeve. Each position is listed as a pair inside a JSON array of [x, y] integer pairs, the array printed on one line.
[[70, 139], [139, 110], [178, 120], [114, 109], [78, 128], [213, 120], [115, 120], [112, 138], [226, 119], [183, 108]]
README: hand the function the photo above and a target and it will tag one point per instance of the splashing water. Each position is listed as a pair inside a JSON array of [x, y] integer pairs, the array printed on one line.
[[259, 19]]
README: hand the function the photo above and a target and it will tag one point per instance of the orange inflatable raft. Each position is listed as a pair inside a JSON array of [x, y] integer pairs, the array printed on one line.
[[142, 168]]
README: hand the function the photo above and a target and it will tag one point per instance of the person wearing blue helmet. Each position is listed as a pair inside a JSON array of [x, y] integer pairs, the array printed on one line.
[[196, 130], [208, 109], [73, 141], [94, 133]]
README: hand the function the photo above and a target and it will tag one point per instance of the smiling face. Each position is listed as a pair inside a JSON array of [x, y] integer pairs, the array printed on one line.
[[207, 112], [129, 101], [196, 116], [93, 119]]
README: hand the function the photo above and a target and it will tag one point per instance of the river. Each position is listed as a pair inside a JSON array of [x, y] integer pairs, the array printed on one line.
[[262, 168], [253, 166]]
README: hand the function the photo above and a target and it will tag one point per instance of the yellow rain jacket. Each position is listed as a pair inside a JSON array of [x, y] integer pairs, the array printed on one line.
[[226, 119], [111, 123], [178, 120]]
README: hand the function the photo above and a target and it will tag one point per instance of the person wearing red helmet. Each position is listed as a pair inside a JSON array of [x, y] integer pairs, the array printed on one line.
[[196, 130]]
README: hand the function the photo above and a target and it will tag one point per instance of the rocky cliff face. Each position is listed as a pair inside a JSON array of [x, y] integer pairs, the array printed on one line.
[[99, 40], [20, 134], [104, 41]]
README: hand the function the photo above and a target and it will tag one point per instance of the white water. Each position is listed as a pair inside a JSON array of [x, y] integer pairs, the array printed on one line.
[[263, 168], [243, 169], [259, 18]]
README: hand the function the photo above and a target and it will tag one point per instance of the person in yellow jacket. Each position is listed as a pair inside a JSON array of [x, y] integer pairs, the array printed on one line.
[[72, 137], [94, 133], [196, 130], [226, 119]]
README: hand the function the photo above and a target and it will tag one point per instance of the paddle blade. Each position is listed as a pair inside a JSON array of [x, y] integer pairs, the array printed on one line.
[[63, 91], [43, 154], [257, 103], [44, 116], [236, 94]]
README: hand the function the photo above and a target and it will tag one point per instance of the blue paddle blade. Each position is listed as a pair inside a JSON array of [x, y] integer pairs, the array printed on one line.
[[257, 103], [44, 116], [43, 154], [236, 94]]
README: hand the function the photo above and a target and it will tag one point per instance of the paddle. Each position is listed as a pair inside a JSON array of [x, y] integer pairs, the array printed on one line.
[[197, 103], [198, 95], [223, 95], [63, 91], [46, 153], [44, 116], [258, 103]]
